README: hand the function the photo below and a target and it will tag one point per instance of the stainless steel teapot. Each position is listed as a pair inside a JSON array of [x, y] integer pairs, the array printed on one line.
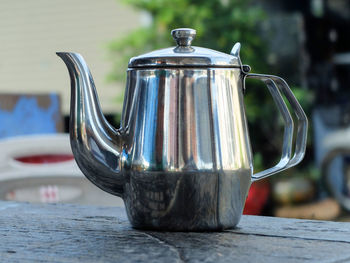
[[182, 159]]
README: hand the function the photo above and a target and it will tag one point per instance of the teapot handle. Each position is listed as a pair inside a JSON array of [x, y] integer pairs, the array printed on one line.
[[276, 85]]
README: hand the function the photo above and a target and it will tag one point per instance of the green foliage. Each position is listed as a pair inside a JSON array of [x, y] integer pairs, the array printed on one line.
[[219, 25]]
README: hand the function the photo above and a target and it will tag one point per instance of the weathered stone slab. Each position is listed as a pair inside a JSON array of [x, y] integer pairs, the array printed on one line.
[[72, 233]]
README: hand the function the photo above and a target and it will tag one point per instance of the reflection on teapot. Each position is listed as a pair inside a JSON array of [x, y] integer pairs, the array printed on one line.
[[186, 201], [181, 159]]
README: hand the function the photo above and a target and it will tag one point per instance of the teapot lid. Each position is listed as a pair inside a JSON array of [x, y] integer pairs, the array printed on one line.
[[185, 55]]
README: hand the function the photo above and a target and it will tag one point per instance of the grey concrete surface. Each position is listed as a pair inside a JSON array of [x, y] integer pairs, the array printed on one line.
[[73, 233]]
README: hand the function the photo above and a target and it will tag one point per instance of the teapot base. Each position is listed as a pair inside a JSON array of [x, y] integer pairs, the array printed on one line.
[[191, 201], [185, 229]]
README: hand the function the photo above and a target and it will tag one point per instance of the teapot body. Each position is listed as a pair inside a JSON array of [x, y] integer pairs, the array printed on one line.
[[186, 154], [182, 159]]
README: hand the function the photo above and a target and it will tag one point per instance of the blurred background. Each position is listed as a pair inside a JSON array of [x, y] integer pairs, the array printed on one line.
[[306, 42]]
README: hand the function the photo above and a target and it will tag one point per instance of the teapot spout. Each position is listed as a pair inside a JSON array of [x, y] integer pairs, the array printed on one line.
[[95, 143]]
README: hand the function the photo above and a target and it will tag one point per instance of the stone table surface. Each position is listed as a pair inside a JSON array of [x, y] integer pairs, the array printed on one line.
[[73, 233]]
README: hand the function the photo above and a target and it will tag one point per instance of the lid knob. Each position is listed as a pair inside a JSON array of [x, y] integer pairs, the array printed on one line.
[[183, 36]]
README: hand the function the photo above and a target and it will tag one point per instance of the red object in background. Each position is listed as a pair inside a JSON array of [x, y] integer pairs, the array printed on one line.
[[45, 158], [257, 198]]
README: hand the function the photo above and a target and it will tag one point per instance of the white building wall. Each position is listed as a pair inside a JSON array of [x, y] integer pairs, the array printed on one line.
[[32, 31]]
